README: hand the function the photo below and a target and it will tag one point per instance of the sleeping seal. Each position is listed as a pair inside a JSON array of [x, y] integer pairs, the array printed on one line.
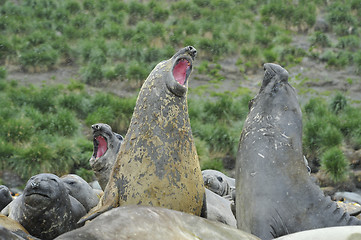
[[156, 223], [45, 209], [157, 164], [80, 190], [5, 196], [275, 195], [106, 147]]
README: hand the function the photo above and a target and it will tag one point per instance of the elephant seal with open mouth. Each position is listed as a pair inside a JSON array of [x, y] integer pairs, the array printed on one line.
[[157, 164], [106, 147], [275, 195]]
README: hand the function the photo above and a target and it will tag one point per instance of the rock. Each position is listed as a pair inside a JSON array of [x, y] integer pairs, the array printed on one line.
[[348, 197], [321, 25], [356, 178], [353, 209]]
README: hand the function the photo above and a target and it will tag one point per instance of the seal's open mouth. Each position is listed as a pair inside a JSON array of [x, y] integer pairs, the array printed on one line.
[[181, 70], [100, 146]]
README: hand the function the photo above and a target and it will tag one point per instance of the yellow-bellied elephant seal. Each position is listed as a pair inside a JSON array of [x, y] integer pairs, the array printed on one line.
[[275, 195], [157, 164]]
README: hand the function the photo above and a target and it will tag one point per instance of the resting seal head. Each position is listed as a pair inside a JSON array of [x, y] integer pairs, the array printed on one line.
[[106, 147], [5, 196], [81, 190], [275, 195], [45, 209], [218, 182], [157, 164]]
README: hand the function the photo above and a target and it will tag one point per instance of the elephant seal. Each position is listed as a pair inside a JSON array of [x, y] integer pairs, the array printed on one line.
[[80, 190], [146, 222], [218, 182], [106, 147], [219, 209], [330, 233], [275, 195], [45, 209], [5, 196], [157, 164]]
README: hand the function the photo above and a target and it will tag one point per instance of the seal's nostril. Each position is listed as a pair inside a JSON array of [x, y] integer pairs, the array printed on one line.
[[34, 184], [96, 127], [192, 51]]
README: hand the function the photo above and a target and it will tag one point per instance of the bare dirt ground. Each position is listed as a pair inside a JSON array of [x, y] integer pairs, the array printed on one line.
[[310, 78]]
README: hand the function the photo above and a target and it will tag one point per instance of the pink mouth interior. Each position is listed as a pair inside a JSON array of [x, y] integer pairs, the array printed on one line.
[[180, 71], [102, 146]]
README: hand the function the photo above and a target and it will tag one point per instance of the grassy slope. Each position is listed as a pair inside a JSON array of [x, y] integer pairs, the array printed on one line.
[[122, 41]]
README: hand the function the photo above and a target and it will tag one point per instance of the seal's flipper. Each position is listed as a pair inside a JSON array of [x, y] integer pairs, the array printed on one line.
[[91, 215]]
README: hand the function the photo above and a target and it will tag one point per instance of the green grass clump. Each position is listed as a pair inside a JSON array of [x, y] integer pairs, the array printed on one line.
[[42, 36], [42, 129], [216, 125], [330, 125], [335, 164]]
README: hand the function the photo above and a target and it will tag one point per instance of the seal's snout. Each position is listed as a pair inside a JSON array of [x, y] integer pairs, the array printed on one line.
[[192, 51], [35, 184], [272, 69], [96, 127]]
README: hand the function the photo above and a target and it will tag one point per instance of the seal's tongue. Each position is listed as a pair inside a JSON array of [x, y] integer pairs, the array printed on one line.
[[102, 147], [180, 71]]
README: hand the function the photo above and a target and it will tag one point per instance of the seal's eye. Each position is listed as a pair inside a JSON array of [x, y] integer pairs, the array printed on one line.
[[220, 179]]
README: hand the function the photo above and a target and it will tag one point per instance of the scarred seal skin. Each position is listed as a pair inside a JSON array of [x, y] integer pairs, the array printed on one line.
[[274, 194], [157, 164], [106, 148]]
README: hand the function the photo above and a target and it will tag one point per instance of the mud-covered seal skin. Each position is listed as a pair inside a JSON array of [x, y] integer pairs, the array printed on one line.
[[45, 209], [157, 164], [106, 148], [274, 194]]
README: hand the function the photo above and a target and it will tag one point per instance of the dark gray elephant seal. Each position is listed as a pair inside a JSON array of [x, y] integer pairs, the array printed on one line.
[[81, 190], [157, 164], [145, 222], [106, 147], [275, 195], [218, 182], [5, 196], [45, 209], [219, 209]]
